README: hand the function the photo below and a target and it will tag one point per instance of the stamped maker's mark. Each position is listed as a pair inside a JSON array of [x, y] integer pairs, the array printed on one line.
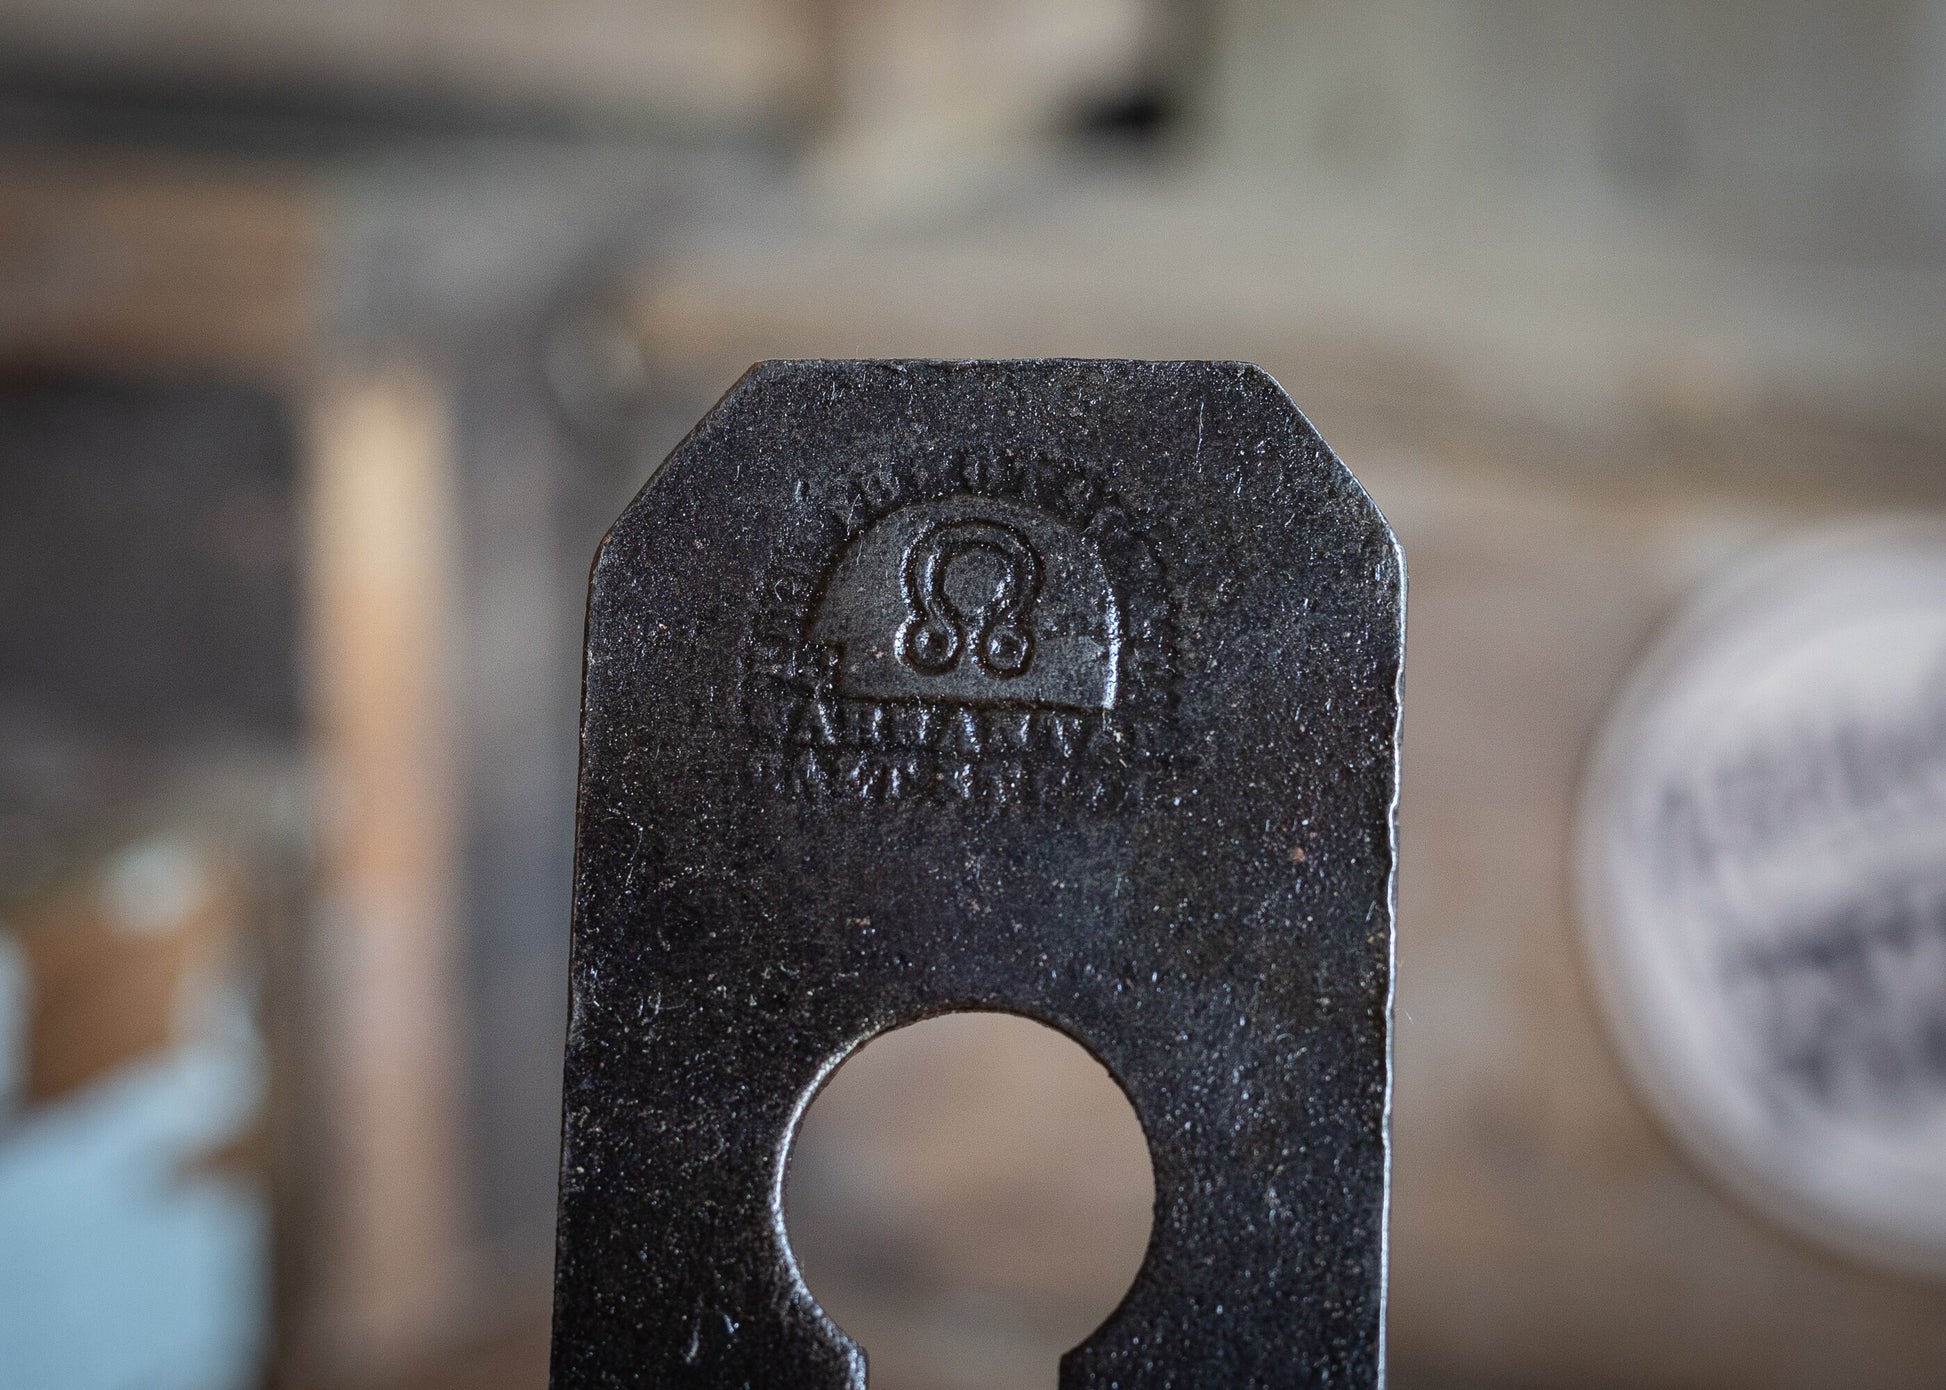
[[988, 620], [970, 600], [986, 630]]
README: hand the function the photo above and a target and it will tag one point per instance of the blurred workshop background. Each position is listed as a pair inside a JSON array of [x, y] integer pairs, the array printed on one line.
[[333, 335]]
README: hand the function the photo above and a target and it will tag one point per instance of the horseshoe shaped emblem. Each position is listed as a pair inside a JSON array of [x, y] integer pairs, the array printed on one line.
[[938, 629]]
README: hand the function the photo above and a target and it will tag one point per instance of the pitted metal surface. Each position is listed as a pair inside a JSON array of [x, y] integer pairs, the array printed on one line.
[[1064, 688]]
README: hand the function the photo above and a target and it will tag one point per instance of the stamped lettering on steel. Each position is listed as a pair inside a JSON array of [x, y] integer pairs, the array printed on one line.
[[977, 626]]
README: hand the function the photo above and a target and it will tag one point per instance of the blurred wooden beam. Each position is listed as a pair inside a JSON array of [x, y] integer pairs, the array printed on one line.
[[154, 265], [384, 987]]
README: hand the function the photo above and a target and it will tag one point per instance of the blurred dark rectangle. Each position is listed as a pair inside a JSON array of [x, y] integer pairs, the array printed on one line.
[[148, 559], [258, 69], [257, 116]]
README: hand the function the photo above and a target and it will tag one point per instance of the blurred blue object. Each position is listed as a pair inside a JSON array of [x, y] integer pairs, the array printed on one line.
[[122, 1264]]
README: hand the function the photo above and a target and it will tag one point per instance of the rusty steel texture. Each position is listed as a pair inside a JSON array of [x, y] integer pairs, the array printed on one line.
[[1063, 688]]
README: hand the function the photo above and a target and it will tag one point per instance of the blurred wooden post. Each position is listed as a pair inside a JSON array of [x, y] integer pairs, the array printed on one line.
[[384, 978]]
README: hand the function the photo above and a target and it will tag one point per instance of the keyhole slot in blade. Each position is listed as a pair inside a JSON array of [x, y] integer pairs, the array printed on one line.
[[969, 1197]]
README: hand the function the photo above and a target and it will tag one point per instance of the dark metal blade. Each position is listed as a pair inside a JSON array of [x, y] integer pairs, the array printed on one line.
[[1066, 688]]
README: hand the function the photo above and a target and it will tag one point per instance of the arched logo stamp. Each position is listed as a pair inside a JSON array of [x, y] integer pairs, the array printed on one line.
[[972, 600], [989, 629]]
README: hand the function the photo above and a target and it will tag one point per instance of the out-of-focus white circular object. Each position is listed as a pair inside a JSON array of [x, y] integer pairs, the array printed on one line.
[[1763, 886]]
